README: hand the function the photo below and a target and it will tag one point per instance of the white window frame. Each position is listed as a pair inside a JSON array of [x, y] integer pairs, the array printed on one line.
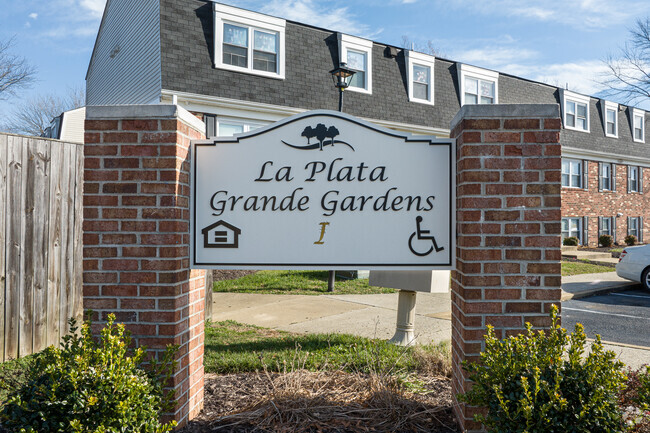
[[610, 227], [468, 71], [578, 233], [637, 221], [605, 166], [413, 59], [568, 96], [247, 125], [636, 113], [634, 169], [347, 42], [571, 163], [252, 21], [610, 106]]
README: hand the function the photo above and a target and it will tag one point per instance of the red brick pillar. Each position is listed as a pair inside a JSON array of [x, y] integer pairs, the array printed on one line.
[[508, 253], [136, 235]]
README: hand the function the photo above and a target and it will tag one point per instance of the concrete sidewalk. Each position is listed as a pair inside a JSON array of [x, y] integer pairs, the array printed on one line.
[[374, 316]]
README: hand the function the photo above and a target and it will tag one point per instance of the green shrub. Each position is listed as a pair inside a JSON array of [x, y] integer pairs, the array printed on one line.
[[630, 240], [606, 240], [643, 391], [571, 241], [542, 382], [90, 386]]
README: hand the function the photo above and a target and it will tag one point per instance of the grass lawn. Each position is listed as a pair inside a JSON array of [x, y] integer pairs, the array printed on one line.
[[231, 347], [296, 283], [577, 268]]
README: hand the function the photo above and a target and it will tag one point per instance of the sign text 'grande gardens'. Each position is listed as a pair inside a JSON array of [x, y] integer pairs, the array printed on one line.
[[322, 190]]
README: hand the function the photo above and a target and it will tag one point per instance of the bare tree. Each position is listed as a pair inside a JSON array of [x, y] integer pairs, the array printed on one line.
[[15, 72], [628, 73], [33, 116], [427, 48]]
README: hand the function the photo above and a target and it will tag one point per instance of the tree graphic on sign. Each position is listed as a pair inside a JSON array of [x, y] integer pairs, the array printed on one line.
[[309, 134], [331, 133], [321, 134]]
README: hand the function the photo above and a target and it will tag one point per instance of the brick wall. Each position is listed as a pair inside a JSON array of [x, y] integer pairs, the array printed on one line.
[[136, 235], [508, 253], [578, 202]]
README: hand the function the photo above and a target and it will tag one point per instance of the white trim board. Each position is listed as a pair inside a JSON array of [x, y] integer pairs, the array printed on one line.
[[271, 113], [592, 155]]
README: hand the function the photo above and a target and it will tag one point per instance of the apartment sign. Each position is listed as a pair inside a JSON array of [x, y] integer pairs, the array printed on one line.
[[323, 190]]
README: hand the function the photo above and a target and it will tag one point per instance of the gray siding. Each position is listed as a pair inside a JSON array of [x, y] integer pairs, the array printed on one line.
[[132, 76], [187, 50], [187, 47]]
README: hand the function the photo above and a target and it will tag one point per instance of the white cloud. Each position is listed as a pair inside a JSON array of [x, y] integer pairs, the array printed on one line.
[[494, 56], [580, 76], [319, 14], [33, 15], [94, 7], [583, 13]]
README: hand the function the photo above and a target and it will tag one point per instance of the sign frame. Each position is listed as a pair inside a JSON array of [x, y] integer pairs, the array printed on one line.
[[195, 240]]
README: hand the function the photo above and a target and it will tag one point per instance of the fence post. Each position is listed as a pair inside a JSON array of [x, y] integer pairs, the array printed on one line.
[[136, 235], [508, 253]]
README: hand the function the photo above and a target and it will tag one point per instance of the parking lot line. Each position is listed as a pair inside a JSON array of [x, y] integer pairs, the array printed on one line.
[[631, 296], [606, 314]]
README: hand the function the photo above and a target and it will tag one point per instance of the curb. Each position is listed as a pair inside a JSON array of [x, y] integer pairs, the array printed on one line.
[[566, 296]]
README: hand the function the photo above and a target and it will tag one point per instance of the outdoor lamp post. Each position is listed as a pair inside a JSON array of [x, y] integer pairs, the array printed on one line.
[[342, 77]]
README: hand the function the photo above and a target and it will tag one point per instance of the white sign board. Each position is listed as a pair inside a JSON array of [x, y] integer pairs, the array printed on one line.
[[323, 190]]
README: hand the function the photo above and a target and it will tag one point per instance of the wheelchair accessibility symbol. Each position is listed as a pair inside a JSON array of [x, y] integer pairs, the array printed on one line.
[[423, 248]]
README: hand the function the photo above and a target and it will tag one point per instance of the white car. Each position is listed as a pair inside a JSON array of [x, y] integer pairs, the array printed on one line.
[[634, 264]]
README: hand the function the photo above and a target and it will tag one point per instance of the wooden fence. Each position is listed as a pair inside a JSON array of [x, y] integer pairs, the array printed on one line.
[[41, 256]]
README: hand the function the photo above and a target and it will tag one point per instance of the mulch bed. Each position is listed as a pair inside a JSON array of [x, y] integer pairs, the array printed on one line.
[[324, 402], [229, 274]]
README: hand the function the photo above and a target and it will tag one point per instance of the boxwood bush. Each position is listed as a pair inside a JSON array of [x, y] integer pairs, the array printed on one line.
[[543, 382], [606, 240], [91, 386], [571, 241], [630, 240]]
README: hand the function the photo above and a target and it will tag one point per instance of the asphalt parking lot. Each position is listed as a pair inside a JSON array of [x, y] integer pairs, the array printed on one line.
[[622, 317]]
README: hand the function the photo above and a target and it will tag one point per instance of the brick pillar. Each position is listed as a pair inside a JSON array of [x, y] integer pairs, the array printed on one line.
[[508, 253], [136, 235]]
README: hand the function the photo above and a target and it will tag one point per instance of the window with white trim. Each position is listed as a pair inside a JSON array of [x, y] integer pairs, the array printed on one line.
[[606, 177], [605, 226], [638, 125], [610, 118], [356, 53], [227, 127], [634, 178], [571, 173], [571, 228], [478, 86], [633, 226], [420, 69], [248, 42], [576, 111]]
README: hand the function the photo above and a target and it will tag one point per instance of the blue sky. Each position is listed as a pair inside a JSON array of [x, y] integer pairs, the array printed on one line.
[[555, 41]]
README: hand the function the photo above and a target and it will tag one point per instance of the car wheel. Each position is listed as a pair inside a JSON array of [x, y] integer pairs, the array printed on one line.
[[645, 279]]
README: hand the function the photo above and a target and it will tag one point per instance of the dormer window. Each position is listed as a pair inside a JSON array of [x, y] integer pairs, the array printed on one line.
[[356, 53], [638, 125], [576, 111], [610, 118], [478, 86], [420, 69], [248, 42]]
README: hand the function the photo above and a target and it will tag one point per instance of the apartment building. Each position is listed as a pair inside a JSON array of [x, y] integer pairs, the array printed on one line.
[[238, 70]]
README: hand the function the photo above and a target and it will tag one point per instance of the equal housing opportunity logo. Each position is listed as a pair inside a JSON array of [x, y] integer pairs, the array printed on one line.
[[321, 133]]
